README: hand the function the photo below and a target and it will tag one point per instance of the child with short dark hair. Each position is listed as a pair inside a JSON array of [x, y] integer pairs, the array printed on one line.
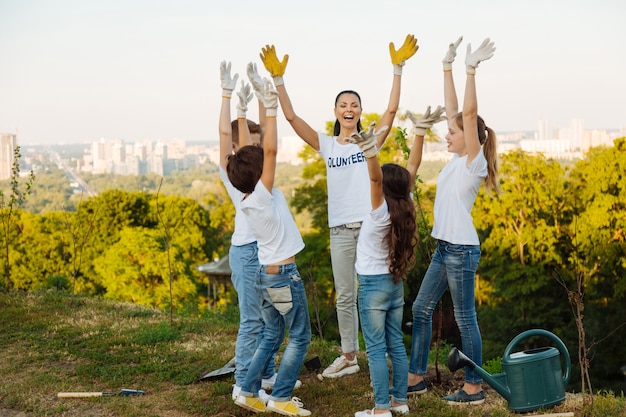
[[283, 300]]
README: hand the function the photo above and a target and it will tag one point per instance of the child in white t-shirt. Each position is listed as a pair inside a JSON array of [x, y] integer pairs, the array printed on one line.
[[385, 252], [283, 300]]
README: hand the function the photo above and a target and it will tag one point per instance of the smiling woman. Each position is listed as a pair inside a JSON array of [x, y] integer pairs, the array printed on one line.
[[348, 187]]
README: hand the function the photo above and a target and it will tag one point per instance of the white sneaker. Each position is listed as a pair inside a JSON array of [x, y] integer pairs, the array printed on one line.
[[264, 396], [367, 413], [400, 409], [236, 391], [340, 367], [268, 384], [251, 403], [294, 407]]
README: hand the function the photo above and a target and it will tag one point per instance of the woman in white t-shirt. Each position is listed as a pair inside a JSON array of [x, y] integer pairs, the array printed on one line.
[[348, 191], [456, 257]]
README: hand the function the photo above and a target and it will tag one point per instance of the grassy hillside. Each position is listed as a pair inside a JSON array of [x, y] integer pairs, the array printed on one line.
[[50, 343]]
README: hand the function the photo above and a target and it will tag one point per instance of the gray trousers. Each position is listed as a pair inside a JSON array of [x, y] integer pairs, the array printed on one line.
[[343, 257]]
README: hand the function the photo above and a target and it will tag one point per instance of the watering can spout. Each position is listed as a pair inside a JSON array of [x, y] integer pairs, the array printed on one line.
[[458, 360]]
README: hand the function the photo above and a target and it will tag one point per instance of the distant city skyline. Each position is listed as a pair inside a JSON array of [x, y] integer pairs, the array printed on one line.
[[78, 70]]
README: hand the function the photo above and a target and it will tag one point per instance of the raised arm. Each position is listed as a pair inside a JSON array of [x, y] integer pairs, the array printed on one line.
[[270, 139], [245, 96], [449, 92], [367, 143], [398, 59], [470, 101], [276, 69], [420, 125], [257, 85], [226, 133]]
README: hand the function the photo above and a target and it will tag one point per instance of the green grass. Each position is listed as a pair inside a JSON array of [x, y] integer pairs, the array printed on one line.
[[51, 343]]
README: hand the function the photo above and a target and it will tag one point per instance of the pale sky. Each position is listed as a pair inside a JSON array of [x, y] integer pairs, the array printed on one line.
[[80, 70]]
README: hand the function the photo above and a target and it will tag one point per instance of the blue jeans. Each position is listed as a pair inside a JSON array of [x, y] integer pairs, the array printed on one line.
[[381, 304], [454, 267], [283, 306], [244, 265], [343, 257]]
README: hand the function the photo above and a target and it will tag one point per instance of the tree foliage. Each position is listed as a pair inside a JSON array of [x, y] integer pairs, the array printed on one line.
[[11, 203]]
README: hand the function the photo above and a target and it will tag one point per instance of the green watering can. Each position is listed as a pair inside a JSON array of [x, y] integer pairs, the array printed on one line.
[[532, 379]]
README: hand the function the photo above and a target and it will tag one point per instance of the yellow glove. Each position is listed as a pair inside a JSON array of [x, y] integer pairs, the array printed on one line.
[[275, 67], [406, 51]]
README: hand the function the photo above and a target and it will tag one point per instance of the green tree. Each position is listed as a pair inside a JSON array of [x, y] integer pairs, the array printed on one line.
[[79, 227], [523, 237], [10, 204], [170, 221], [39, 251], [115, 210], [599, 255], [134, 269]]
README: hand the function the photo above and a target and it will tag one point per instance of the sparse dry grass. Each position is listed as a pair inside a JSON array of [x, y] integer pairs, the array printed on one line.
[[51, 345]]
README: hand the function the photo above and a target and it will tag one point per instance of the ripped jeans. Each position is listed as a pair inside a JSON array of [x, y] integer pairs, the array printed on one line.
[[283, 306]]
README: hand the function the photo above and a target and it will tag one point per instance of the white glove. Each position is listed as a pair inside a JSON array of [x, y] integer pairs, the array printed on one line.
[[406, 51], [228, 83], [245, 95], [451, 54], [426, 121], [269, 98], [367, 140], [255, 79], [484, 52]]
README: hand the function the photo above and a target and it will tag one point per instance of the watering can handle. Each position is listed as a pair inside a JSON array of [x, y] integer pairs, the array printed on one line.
[[540, 332]]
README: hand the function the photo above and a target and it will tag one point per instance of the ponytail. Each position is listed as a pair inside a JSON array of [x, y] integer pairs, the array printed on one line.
[[487, 139], [491, 155]]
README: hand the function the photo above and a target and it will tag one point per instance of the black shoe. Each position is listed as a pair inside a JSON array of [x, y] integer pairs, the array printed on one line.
[[463, 397], [417, 389]]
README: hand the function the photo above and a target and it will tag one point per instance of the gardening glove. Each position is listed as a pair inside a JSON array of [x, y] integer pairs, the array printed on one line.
[[228, 83], [245, 96], [255, 79], [269, 98], [426, 121], [275, 67], [451, 54], [406, 51], [484, 52], [367, 140]]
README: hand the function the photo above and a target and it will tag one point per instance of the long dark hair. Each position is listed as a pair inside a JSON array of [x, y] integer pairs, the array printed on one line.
[[401, 239], [337, 127]]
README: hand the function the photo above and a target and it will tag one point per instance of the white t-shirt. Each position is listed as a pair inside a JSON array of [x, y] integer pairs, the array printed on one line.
[[347, 179], [270, 220], [372, 252], [242, 234], [457, 187]]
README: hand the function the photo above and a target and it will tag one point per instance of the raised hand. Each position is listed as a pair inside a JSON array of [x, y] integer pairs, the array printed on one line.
[[255, 78], [426, 121], [483, 53], [367, 140], [245, 96], [269, 98], [406, 51], [228, 83], [451, 54], [275, 67]]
